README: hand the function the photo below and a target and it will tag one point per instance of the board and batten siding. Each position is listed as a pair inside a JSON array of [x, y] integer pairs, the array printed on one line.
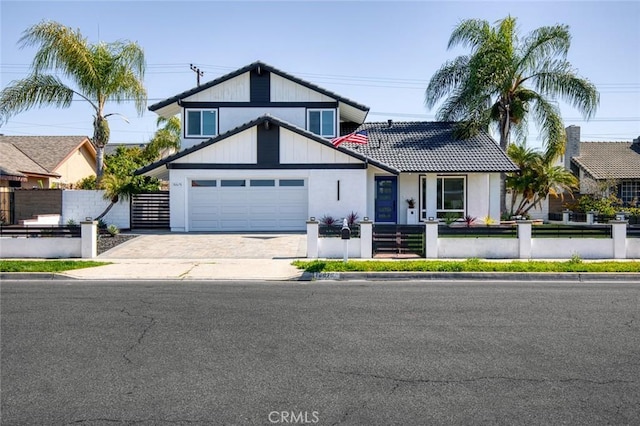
[[237, 149], [237, 89], [283, 90], [297, 149], [232, 117]]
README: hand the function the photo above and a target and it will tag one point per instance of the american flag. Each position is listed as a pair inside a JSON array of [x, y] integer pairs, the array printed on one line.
[[360, 137]]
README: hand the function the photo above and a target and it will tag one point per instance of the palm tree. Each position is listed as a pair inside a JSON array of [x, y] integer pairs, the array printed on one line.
[[101, 73], [165, 140], [538, 178], [505, 78]]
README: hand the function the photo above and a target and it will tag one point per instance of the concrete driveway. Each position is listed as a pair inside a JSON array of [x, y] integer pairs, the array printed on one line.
[[211, 246]]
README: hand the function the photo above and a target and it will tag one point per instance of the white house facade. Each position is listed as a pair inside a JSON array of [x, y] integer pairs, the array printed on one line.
[[257, 156]]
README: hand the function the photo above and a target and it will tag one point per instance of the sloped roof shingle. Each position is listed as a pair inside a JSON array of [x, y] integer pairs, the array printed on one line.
[[14, 162], [431, 147], [610, 160], [47, 151]]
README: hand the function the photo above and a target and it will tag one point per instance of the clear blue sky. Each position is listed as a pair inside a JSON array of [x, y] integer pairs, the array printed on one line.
[[381, 54]]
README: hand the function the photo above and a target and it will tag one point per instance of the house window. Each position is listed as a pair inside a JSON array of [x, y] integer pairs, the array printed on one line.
[[451, 196], [201, 122], [291, 182], [262, 182], [203, 183], [233, 182], [322, 122], [629, 192]]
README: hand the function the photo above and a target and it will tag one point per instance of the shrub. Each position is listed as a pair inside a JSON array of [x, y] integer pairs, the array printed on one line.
[[328, 221], [72, 223], [113, 230], [469, 220], [351, 218]]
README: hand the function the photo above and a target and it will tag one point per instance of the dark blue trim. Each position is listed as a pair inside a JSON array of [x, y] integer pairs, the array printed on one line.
[[268, 142], [244, 166], [268, 104], [260, 85]]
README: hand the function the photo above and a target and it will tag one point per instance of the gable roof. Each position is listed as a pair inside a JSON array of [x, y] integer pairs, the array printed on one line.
[[256, 122], [431, 147], [251, 67], [609, 160], [48, 151], [16, 165]]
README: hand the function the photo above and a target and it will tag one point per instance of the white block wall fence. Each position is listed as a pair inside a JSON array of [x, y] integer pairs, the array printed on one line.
[[53, 247], [522, 247], [82, 204]]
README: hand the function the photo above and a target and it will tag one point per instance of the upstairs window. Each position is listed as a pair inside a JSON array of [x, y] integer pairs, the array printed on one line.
[[201, 122], [322, 122]]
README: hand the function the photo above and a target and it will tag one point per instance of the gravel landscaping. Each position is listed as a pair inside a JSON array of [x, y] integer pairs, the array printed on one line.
[[107, 242]]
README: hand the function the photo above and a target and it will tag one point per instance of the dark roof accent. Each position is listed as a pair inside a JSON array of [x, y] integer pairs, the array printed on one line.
[[609, 160], [256, 122], [47, 151], [430, 147], [251, 67]]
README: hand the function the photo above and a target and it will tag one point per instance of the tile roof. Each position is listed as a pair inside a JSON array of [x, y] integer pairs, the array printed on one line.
[[14, 162], [430, 147], [46, 151], [610, 160]]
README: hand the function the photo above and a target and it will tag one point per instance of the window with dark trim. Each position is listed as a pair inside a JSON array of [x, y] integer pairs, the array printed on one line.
[[201, 122], [322, 122], [291, 182], [262, 182]]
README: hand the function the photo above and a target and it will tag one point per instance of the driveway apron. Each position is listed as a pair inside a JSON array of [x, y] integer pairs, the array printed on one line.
[[211, 246]]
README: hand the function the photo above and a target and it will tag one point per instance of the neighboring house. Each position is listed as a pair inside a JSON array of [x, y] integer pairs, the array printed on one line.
[[45, 161], [605, 167], [258, 156]]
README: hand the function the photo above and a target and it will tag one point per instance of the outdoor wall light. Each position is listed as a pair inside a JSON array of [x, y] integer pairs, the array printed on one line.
[[366, 218], [430, 219], [312, 219]]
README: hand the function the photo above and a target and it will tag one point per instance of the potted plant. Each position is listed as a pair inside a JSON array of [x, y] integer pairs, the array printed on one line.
[[412, 216]]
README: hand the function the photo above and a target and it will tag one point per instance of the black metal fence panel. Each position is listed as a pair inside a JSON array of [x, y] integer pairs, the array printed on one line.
[[40, 231], [150, 210], [570, 231], [498, 231], [399, 240], [336, 231]]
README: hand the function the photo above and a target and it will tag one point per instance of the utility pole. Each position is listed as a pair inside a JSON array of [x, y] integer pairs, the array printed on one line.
[[198, 73]]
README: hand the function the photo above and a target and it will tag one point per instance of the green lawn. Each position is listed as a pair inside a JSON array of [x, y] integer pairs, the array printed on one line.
[[46, 265], [470, 265]]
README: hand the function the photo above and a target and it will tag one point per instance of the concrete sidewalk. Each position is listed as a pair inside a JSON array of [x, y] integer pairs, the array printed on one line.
[[191, 269]]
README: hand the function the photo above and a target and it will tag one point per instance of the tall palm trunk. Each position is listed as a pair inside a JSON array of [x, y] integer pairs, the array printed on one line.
[[505, 121], [100, 138]]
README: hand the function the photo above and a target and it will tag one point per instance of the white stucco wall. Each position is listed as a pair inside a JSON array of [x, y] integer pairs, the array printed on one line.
[[633, 248], [81, 204], [482, 248], [43, 248], [333, 248], [540, 212], [564, 248]]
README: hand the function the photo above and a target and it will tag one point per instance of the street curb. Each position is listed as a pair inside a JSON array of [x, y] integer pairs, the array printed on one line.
[[503, 276], [33, 276]]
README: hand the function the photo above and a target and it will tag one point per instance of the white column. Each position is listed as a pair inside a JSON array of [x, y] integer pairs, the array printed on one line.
[[565, 216], [619, 235], [590, 217], [89, 233], [524, 239], [431, 239], [312, 238], [366, 239]]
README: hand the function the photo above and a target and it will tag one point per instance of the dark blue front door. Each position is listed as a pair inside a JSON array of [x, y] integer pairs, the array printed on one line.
[[386, 199]]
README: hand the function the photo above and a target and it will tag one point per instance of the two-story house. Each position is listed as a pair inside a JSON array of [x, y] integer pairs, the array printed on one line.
[[258, 156]]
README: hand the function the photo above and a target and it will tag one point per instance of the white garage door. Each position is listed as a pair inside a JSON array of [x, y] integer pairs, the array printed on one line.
[[248, 205]]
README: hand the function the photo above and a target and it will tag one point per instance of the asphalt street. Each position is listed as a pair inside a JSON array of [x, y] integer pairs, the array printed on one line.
[[327, 353]]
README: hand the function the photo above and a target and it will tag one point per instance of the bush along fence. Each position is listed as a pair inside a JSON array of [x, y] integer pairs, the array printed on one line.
[[614, 240], [49, 242]]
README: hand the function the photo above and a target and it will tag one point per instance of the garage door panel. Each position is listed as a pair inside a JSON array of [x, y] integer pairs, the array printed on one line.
[[268, 208]]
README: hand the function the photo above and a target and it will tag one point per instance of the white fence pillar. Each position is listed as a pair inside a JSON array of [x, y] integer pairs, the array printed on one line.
[[431, 239], [312, 238], [619, 235], [565, 216], [366, 239], [591, 218], [89, 232], [524, 238]]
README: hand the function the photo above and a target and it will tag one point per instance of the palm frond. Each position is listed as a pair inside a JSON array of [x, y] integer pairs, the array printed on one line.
[[446, 80], [34, 91], [470, 32]]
